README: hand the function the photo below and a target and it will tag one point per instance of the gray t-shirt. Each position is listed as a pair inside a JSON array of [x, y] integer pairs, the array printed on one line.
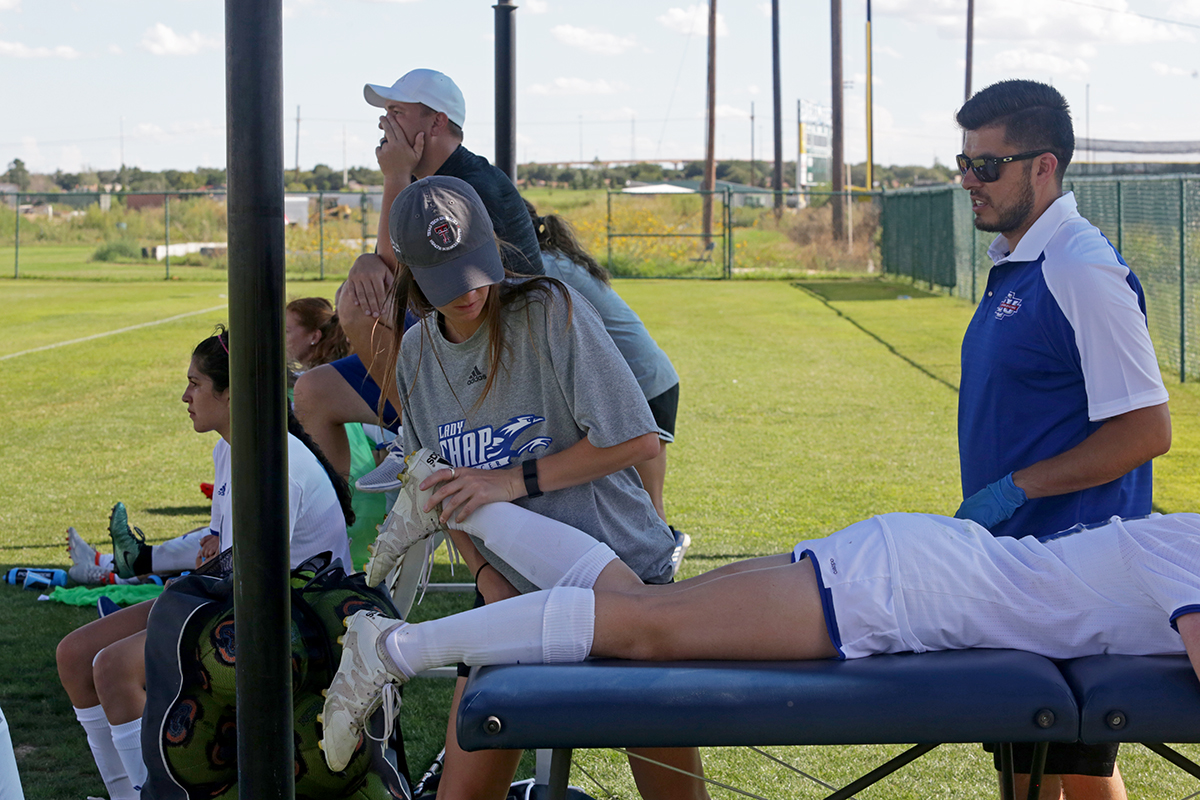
[[651, 366], [560, 380]]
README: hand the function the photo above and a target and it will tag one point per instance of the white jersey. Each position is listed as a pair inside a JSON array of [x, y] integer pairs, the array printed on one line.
[[316, 522], [918, 582]]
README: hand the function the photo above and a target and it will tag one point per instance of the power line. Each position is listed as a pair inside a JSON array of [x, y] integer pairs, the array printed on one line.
[[1132, 13]]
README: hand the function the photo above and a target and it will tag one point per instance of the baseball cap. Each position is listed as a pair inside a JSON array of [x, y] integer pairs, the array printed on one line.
[[442, 233], [421, 86]]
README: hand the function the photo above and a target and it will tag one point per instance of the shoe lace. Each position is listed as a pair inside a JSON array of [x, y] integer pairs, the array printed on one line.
[[431, 546], [389, 696]]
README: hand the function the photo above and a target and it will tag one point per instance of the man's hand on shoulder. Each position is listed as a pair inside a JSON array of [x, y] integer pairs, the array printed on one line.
[[370, 284]]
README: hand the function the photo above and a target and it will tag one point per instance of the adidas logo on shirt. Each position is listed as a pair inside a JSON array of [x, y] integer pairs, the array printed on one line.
[[476, 376]]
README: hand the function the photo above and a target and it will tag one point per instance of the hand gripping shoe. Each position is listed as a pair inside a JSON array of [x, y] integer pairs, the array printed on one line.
[[406, 524]]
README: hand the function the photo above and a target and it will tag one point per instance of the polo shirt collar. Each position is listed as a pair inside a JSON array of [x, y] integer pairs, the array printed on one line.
[[1039, 234]]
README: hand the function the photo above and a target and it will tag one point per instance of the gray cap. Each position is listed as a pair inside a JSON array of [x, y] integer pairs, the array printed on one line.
[[443, 234]]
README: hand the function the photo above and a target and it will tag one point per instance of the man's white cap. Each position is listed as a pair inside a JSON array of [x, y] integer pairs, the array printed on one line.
[[421, 86]]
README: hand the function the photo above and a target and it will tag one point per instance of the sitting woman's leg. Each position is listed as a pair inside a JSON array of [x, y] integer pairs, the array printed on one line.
[[120, 675], [75, 655]]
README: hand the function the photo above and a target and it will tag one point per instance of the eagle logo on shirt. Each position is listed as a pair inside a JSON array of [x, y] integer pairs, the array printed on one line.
[[1008, 306], [487, 447]]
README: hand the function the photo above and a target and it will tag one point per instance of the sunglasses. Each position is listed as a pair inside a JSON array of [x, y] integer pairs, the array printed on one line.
[[987, 168]]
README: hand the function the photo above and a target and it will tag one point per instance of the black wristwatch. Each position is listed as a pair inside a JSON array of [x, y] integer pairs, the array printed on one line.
[[529, 470]]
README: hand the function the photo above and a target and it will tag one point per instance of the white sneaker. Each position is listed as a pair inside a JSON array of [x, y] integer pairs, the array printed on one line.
[[682, 543], [388, 475], [406, 524], [366, 679]]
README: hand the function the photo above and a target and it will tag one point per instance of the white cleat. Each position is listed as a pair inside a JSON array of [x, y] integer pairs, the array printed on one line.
[[80, 551], [366, 679], [406, 524]]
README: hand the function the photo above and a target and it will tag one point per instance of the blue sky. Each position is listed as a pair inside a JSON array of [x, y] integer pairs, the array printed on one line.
[[613, 79]]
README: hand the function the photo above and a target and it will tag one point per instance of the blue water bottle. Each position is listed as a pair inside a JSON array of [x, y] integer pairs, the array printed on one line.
[[36, 577]]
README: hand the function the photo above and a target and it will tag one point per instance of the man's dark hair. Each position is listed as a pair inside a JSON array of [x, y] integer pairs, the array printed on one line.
[[1033, 116]]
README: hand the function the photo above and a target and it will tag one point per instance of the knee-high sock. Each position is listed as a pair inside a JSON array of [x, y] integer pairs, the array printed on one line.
[[542, 549], [535, 628], [127, 739], [178, 554], [99, 738], [10, 779]]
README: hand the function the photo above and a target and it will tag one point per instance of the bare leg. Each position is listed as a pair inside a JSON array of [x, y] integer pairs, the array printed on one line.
[[120, 676], [78, 649], [654, 476], [655, 782], [1075, 787]]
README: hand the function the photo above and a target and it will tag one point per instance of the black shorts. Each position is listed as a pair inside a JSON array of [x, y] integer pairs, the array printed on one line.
[[1063, 758], [664, 407]]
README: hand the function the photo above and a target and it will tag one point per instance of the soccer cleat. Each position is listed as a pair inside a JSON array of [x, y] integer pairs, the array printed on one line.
[[366, 679], [682, 543], [406, 524], [389, 474], [80, 551], [91, 574], [128, 544]]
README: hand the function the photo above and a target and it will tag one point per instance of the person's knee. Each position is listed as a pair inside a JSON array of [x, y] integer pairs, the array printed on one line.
[[74, 656], [108, 672]]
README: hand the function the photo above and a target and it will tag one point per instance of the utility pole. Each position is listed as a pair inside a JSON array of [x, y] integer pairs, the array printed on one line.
[[752, 143], [836, 166], [710, 163], [970, 45], [777, 179], [297, 175], [870, 182], [506, 93]]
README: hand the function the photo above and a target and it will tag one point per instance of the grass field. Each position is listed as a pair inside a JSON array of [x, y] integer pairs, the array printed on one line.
[[803, 409]]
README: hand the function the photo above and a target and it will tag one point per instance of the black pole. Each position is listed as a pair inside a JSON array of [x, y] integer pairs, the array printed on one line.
[[258, 402], [506, 93], [970, 46], [777, 180]]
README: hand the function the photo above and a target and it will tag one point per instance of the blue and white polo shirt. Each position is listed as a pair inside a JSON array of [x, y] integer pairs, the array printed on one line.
[[1057, 346]]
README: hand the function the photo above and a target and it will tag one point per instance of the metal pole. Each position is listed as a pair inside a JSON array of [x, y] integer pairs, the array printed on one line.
[[321, 230], [870, 181], [751, 142], [167, 232], [970, 46], [710, 163], [608, 228], [777, 179], [1120, 220], [1182, 280], [17, 242], [362, 205], [838, 159], [262, 599], [506, 93]]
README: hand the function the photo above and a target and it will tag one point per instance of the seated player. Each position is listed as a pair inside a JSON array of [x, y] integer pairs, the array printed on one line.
[[893, 583]]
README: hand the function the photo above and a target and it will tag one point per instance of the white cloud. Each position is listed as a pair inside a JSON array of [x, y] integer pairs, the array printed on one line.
[[18, 50], [1164, 69], [692, 20], [536, 6], [592, 40], [765, 8], [1104, 108], [753, 89], [1180, 8], [10, 5], [115, 49], [162, 41], [731, 112], [887, 51], [575, 86], [1038, 64], [394, 2]]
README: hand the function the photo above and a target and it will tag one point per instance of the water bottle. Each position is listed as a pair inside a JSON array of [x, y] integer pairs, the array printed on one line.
[[36, 577]]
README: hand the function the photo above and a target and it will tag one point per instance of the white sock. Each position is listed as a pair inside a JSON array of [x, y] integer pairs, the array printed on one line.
[[127, 739], [178, 554], [99, 738], [542, 549], [536, 628], [10, 779], [105, 560]]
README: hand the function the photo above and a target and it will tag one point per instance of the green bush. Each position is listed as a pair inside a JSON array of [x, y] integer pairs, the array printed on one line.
[[118, 250]]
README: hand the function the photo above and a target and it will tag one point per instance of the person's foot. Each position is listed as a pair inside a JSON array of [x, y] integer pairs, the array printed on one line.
[[366, 679], [389, 474], [128, 543], [79, 550], [682, 543], [406, 524]]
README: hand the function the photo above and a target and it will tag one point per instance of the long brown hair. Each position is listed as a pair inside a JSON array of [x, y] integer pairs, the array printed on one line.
[[318, 314], [512, 290], [556, 234]]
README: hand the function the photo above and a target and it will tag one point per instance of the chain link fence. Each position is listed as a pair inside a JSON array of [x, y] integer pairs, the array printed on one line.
[[1154, 222]]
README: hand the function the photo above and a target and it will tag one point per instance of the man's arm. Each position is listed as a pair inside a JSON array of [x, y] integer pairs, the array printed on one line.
[[397, 160], [1121, 444]]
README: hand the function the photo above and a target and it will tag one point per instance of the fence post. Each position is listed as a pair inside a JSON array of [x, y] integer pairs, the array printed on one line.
[[728, 232], [608, 230], [321, 229], [17, 242], [1182, 280], [1120, 220], [362, 203], [167, 231]]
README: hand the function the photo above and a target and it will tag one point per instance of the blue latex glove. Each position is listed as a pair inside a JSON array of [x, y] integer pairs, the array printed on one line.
[[993, 503]]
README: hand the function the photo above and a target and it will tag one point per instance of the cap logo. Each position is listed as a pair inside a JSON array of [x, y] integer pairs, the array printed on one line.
[[444, 233]]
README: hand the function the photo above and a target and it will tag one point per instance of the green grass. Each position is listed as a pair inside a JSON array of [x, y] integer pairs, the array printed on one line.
[[798, 416]]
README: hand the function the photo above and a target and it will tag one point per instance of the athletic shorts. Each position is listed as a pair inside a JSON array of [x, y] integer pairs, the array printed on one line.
[[1063, 758], [664, 407]]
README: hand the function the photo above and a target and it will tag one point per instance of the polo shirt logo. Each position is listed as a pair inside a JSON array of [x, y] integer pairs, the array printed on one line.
[[1008, 306]]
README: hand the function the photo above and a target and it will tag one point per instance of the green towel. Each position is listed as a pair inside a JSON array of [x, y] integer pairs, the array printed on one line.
[[122, 594]]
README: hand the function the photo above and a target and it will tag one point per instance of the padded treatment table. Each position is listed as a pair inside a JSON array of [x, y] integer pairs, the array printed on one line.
[[927, 699]]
